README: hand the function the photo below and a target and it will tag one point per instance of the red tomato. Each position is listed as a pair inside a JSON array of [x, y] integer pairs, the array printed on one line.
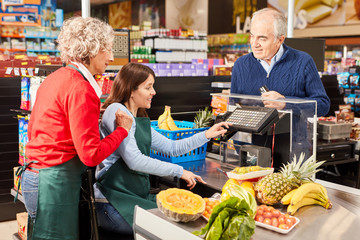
[[274, 222], [281, 219], [275, 213], [284, 226], [260, 211], [293, 220], [289, 222], [268, 209], [267, 221], [259, 218], [261, 207], [267, 215]]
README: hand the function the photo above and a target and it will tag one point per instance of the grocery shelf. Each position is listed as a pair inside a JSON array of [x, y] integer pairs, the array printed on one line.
[[40, 37], [13, 50], [41, 50], [12, 36]]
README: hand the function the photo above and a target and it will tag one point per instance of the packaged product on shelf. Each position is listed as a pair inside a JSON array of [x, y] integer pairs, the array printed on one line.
[[16, 179], [25, 96], [354, 80], [34, 86], [342, 78], [357, 102], [345, 113], [219, 105], [21, 122]]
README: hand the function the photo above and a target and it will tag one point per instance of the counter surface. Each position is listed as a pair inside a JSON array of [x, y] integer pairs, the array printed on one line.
[[342, 221]]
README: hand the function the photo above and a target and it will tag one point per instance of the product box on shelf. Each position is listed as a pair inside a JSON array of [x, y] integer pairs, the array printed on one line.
[[25, 93], [194, 155], [16, 180], [22, 219], [23, 122]]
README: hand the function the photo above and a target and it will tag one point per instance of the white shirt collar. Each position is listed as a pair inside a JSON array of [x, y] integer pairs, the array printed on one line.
[[89, 77]]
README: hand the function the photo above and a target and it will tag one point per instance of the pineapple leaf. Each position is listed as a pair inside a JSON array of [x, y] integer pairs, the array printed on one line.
[[203, 118]]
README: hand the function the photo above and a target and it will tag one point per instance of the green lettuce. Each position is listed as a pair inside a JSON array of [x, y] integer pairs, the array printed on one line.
[[229, 220]]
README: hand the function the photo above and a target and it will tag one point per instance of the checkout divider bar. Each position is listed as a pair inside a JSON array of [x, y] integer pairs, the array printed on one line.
[[149, 226]]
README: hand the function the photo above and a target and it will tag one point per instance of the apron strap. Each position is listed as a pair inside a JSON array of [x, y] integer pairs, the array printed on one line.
[[74, 67], [19, 173]]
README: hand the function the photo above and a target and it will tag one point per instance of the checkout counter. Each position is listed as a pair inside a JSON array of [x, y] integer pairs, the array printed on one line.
[[294, 130], [342, 221]]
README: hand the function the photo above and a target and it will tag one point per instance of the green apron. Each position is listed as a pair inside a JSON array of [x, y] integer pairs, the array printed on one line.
[[57, 215], [125, 188], [57, 211]]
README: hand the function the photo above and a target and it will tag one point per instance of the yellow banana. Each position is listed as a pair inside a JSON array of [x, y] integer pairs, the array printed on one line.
[[287, 198], [291, 209], [319, 196], [170, 121], [306, 188], [162, 123]]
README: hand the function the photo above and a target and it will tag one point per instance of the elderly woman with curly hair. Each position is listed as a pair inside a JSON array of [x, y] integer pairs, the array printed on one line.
[[63, 130]]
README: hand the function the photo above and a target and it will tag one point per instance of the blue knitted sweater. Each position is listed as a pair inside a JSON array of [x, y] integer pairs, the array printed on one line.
[[294, 76]]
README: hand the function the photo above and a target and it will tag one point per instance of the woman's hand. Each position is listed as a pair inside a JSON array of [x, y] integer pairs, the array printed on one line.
[[123, 120], [191, 179], [217, 129]]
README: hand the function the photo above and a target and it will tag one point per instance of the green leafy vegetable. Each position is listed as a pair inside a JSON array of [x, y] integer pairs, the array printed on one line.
[[240, 192], [229, 220]]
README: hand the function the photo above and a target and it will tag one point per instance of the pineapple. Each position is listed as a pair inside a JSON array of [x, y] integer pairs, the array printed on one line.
[[271, 188], [203, 118]]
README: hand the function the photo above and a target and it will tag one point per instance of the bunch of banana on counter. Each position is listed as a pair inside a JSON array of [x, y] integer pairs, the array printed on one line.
[[307, 194], [166, 122]]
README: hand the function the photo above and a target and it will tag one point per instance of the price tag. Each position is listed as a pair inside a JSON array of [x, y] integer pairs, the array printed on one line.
[[8, 70], [23, 71], [16, 72], [19, 56], [30, 71]]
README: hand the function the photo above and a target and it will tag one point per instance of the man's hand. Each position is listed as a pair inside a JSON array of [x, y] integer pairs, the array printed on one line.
[[272, 104], [123, 120]]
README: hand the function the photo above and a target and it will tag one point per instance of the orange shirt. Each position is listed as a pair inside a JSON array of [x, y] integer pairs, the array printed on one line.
[[64, 122]]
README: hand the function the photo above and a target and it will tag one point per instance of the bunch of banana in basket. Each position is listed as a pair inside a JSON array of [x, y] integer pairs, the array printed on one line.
[[166, 122], [307, 194]]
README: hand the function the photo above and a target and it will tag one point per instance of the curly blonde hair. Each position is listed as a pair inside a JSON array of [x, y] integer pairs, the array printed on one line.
[[83, 38]]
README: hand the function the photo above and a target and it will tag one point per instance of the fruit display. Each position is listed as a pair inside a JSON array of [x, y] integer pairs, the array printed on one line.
[[229, 220], [203, 118], [307, 194], [180, 205], [267, 216], [250, 173], [210, 204], [166, 122], [273, 187], [247, 169]]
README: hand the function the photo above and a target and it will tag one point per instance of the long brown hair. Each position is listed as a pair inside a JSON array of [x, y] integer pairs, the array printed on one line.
[[127, 80]]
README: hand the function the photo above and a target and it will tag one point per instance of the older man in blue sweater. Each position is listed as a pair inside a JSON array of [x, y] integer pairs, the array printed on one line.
[[288, 73], [285, 71]]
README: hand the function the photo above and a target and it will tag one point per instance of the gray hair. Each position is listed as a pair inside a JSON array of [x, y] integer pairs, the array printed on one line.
[[280, 21], [83, 38]]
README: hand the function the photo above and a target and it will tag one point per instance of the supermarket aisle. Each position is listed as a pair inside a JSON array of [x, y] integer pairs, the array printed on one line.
[[7, 230]]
